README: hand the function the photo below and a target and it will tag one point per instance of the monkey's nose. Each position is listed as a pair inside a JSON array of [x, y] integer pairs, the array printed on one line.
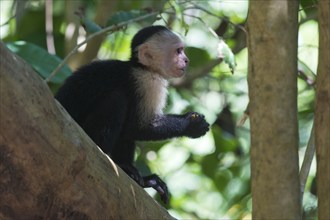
[[186, 60]]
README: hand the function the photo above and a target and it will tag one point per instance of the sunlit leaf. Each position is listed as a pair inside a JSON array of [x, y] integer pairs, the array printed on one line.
[[225, 53]]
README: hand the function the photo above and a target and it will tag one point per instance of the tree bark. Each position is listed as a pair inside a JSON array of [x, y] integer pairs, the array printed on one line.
[[272, 80], [322, 112], [49, 168]]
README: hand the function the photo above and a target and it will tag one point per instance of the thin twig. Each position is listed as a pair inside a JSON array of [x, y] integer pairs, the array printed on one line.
[[306, 165], [195, 6]]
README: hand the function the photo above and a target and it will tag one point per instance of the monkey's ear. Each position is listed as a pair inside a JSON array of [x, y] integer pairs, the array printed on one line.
[[144, 55]]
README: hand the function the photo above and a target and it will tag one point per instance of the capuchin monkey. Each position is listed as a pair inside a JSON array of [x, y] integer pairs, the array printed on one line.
[[119, 102]]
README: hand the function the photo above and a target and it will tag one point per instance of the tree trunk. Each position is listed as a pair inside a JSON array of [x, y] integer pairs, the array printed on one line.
[[322, 113], [272, 79], [49, 168], [104, 10]]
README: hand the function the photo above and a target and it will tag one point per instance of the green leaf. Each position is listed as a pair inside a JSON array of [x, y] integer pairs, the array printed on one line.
[[222, 179], [223, 143], [89, 25], [43, 62], [310, 7], [227, 55], [210, 164], [197, 56]]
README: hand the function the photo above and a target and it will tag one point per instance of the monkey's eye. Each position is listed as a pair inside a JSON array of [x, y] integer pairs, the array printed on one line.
[[179, 50]]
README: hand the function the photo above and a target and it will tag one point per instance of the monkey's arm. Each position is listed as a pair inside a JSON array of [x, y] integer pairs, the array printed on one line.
[[162, 127]]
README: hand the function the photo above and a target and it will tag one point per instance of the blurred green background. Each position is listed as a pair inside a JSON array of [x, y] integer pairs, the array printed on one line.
[[209, 177]]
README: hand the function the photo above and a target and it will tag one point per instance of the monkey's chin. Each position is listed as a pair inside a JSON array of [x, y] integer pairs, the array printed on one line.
[[179, 73], [173, 74]]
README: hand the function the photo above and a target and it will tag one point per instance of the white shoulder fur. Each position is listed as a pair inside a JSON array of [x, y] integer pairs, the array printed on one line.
[[152, 89]]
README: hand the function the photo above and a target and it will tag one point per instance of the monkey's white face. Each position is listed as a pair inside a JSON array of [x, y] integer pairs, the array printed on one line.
[[175, 60], [164, 55]]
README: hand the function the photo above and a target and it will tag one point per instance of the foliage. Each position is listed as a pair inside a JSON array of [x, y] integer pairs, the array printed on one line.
[[41, 61], [208, 177]]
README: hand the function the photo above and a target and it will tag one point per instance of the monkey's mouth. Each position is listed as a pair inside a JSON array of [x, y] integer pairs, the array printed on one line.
[[181, 72], [183, 69]]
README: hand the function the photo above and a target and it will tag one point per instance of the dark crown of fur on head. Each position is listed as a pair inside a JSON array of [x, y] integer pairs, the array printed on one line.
[[143, 35]]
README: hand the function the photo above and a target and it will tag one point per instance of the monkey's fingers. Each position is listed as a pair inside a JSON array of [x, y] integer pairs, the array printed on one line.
[[195, 115], [159, 185]]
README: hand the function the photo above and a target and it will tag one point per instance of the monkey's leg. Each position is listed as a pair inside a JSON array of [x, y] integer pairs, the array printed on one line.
[[132, 172]]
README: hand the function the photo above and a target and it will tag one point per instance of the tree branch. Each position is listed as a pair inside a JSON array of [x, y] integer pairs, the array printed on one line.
[[49, 167]]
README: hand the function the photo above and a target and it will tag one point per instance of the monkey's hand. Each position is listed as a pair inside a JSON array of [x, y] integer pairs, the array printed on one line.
[[197, 126], [159, 185]]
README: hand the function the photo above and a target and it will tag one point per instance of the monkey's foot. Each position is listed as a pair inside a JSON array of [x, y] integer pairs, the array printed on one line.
[[148, 181], [158, 184]]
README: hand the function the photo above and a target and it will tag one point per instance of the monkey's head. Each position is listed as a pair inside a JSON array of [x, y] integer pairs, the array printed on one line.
[[159, 50]]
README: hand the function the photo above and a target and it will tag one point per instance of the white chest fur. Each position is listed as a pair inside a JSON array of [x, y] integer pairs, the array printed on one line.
[[152, 89]]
